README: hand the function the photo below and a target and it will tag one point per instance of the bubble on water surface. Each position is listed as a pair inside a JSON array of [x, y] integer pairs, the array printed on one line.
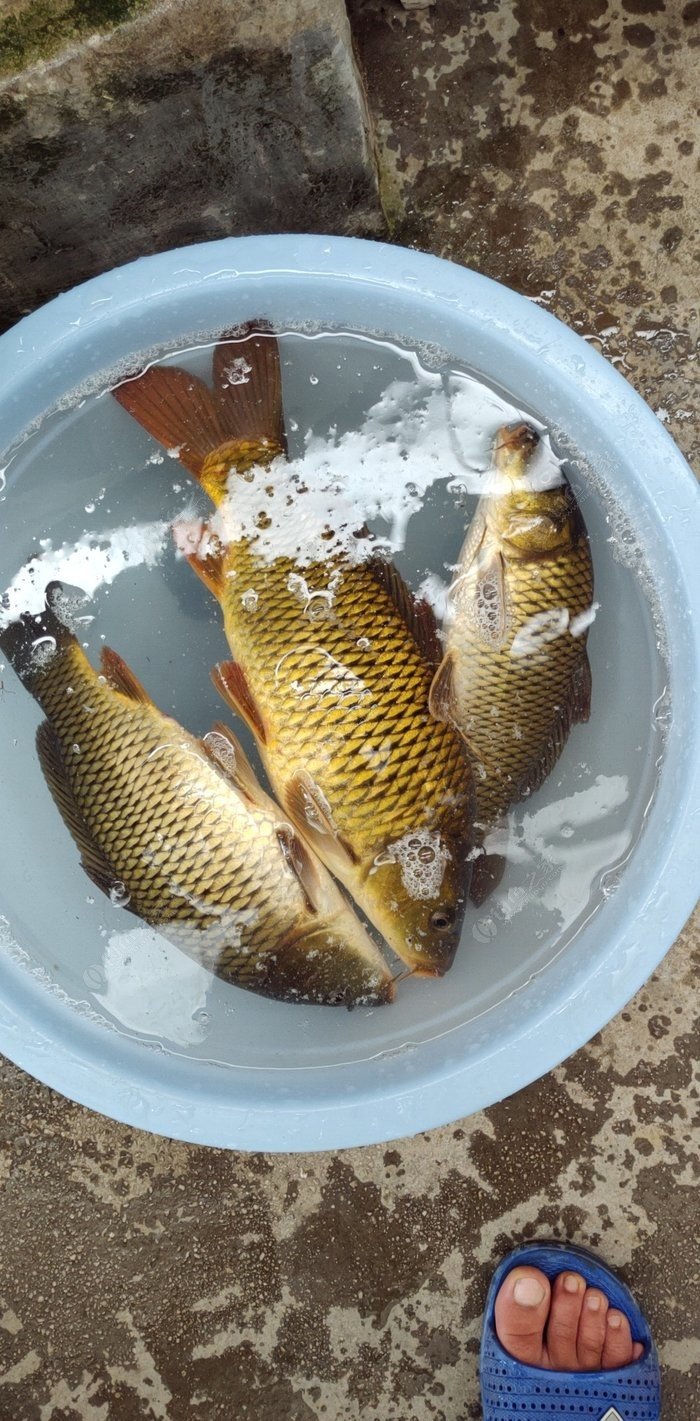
[[237, 371], [422, 857], [119, 894]]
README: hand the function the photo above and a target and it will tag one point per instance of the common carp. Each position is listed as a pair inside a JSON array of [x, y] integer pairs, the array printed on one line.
[[515, 674], [333, 658], [180, 831]]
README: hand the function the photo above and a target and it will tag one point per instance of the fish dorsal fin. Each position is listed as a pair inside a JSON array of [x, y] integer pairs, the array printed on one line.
[[92, 858], [231, 683], [302, 864], [204, 552], [227, 753], [312, 814], [415, 612], [539, 769], [248, 385], [121, 678], [575, 708], [581, 690], [179, 411], [441, 701]]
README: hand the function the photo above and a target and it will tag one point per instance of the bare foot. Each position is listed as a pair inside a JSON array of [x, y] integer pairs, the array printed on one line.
[[565, 1326]]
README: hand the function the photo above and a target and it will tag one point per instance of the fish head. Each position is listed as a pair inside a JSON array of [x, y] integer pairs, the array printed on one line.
[[329, 958], [418, 887], [528, 521]]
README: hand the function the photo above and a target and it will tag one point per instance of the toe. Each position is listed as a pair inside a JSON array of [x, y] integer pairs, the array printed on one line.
[[521, 1312], [564, 1316], [617, 1348], [591, 1330], [637, 1351]]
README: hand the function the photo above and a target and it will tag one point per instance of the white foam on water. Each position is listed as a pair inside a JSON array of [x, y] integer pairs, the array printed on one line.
[[568, 846], [313, 508], [94, 561], [422, 857]]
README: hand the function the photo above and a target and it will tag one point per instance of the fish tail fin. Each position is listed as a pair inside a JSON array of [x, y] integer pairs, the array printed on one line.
[[248, 384], [178, 409], [33, 640], [238, 424]]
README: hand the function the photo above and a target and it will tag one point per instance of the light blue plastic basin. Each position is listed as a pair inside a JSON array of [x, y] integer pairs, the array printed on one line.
[[160, 301]]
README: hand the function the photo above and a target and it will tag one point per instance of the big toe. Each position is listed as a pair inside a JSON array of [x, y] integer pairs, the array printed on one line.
[[522, 1308]]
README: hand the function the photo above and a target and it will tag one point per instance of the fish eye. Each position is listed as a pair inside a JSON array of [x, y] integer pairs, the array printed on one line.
[[442, 919]]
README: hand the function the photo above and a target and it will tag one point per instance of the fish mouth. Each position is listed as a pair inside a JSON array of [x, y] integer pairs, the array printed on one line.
[[431, 962], [521, 437]]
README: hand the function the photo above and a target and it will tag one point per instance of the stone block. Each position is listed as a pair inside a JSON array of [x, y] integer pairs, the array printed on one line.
[[130, 126]]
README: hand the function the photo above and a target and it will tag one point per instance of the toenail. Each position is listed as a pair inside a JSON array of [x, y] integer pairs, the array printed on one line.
[[571, 1283], [528, 1292], [593, 1302], [614, 1320]]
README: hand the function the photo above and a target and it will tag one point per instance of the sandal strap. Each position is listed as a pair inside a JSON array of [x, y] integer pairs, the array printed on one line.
[[510, 1388]]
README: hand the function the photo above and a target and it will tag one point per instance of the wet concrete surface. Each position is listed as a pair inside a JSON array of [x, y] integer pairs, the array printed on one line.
[[132, 126], [142, 1278]]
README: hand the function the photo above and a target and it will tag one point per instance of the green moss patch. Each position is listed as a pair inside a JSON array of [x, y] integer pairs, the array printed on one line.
[[40, 28]]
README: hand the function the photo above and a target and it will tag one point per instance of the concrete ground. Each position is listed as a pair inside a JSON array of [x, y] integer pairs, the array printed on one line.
[[147, 1279]]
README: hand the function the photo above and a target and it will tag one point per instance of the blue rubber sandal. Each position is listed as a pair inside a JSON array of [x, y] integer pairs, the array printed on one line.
[[510, 1389]]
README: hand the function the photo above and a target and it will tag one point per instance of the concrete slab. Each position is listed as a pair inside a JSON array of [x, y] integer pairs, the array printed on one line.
[[185, 121]]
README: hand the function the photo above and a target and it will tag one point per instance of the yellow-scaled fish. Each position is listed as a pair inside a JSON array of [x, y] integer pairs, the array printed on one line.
[[333, 662], [515, 675], [179, 830]]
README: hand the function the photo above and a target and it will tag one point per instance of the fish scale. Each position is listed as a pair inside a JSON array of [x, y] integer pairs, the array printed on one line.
[[199, 852], [338, 701], [514, 685], [426, 780], [515, 678]]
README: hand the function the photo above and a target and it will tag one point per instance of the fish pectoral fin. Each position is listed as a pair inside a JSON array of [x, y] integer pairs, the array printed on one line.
[[231, 683], [311, 812], [92, 858], [581, 689], [226, 752], [302, 864], [121, 678], [473, 544], [441, 697], [415, 612], [208, 563]]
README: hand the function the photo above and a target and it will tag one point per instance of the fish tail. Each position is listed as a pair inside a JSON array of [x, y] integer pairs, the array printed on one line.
[[248, 385], [32, 642], [236, 425]]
